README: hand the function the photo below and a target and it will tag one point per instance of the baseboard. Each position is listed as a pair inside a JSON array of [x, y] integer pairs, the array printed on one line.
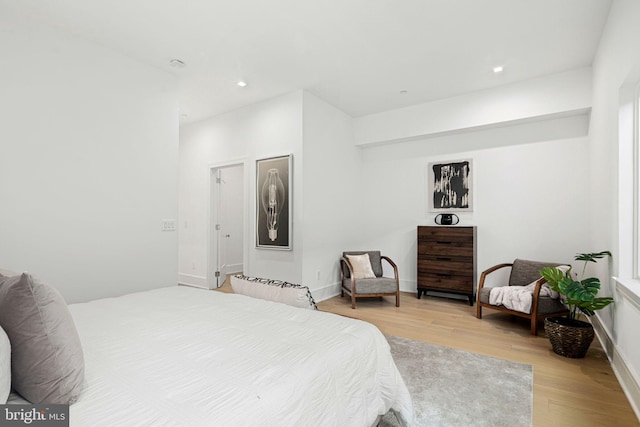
[[233, 268], [333, 290], [326, 292], [408, 286], [620, 368], [190, 280]]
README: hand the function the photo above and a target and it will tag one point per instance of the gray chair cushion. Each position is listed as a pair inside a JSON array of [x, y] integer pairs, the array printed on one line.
[[545, 304], [524, 272], [374, 257], [379, 285]]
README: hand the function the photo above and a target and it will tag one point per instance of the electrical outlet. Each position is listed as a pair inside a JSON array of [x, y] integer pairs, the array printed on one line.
[[168, 225]]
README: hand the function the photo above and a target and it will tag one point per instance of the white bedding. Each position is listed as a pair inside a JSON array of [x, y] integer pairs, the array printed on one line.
[[181, 356]]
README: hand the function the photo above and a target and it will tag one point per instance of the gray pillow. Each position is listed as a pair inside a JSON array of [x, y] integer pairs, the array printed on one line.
[[7, 273], [47, 364], [5, 367]]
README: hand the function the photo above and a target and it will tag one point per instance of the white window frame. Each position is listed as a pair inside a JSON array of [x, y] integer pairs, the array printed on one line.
[[636, 184]]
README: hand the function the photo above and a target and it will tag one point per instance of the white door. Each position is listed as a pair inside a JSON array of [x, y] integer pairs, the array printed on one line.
[[227, 218]]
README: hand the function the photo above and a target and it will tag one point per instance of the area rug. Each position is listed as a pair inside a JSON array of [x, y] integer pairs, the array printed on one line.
[[456, 388]]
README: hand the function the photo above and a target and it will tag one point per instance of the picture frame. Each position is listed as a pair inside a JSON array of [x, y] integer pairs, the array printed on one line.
[[274, 202], [450, 186]]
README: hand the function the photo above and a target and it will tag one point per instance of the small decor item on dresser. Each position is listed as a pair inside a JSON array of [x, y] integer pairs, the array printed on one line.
[[447, 219]]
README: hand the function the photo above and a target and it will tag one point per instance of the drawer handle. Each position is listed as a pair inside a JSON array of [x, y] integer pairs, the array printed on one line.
[[443, 243], [443, 259]]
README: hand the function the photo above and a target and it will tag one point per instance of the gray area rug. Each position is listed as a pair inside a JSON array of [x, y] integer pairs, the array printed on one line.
[[456, 388]]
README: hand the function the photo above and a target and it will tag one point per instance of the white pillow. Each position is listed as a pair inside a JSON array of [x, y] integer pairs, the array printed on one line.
[[361, 266], [5, 367], [274, 290]]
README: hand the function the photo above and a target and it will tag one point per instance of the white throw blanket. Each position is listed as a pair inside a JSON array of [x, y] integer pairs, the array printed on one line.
[[519, 298]]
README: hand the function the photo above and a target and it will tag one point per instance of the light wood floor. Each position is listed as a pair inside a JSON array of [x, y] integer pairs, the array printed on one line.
[[566, 392]]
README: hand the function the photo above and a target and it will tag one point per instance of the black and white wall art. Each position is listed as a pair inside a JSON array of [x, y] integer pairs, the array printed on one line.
[[273, 203], [450, 186]]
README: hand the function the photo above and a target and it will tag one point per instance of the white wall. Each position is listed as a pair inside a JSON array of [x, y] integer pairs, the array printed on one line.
[[616, 66], [325, 165], [528, 181], [89, 145], [266, 129], [332, 197]]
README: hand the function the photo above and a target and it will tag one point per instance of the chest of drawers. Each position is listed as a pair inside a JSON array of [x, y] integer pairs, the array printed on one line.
[[447, 260]]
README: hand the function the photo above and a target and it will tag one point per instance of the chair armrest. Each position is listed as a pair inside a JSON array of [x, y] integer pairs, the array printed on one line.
[[536, 295], [344, 262], [536, 291], [488, 271], [392, 264]]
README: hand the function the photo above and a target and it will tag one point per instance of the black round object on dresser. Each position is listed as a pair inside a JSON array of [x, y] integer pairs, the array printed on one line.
[[447, 219]]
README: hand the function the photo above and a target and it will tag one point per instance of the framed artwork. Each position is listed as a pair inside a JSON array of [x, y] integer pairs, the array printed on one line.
[[450, 186], [273, 203]]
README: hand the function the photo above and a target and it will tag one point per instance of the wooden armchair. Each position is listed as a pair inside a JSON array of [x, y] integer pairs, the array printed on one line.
[[377, 286], [523, 273]]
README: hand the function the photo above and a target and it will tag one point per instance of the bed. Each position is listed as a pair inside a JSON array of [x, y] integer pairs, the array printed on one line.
[[182, 356]]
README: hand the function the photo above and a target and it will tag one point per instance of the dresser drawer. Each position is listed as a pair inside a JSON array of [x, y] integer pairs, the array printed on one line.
[[444, 265], [453, 249], [446, 234], [446, 283]]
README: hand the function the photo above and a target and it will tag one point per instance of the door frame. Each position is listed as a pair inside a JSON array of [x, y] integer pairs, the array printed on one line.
[[212, 219]]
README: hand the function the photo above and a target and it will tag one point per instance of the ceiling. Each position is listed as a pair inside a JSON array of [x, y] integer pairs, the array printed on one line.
[[362, 56]]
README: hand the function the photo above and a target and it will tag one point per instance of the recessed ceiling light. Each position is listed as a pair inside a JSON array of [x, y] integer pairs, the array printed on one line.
[[242, 83], [498, 69], [176, 63], [403, 92]]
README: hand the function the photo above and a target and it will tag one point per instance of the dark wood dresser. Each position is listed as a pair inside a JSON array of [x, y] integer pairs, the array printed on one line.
[[447, 260]]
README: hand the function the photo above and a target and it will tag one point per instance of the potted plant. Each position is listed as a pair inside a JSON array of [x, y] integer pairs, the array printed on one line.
[[569, 336]]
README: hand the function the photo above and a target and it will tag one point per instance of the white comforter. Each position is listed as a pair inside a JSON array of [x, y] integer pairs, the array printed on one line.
[[188, 357]]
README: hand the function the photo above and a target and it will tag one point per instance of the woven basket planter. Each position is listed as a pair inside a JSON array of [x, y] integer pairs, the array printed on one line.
[[569, 338]]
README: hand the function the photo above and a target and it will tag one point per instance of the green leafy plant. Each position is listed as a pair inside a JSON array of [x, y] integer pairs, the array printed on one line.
[[579, 295]]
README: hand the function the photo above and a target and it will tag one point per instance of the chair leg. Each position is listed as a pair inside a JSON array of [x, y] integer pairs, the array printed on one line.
[[341, 292], [479, 311], [398, 299], [353, 301], [534, 326]]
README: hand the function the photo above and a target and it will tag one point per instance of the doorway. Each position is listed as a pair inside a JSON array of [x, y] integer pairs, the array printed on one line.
[[227, 218]]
